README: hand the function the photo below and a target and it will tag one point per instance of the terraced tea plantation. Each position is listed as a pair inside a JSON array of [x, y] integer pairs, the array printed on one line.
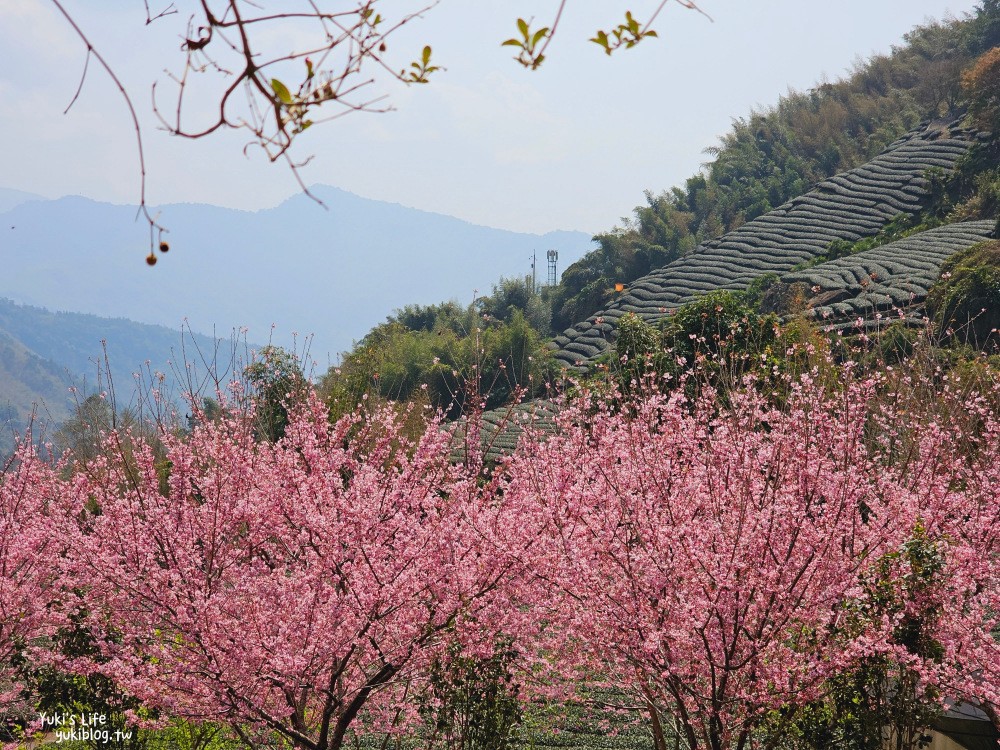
[[893, 278], [877, 286], [502, 428], [850, 206]]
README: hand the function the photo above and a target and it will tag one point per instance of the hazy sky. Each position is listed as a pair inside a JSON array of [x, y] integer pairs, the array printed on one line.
[[570, 146]]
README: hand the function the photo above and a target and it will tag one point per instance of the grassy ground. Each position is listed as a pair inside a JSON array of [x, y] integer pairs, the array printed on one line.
[[574, 727]]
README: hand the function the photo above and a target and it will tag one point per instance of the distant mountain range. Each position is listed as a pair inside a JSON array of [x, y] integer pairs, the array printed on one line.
[[331, 274]]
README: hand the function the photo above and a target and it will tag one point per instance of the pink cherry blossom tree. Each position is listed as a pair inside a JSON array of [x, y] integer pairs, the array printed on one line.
[[716, 557], [293, 588], [30, 543]]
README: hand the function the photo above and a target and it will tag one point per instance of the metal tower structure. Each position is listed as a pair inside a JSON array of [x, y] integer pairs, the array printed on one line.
[[553, 256]]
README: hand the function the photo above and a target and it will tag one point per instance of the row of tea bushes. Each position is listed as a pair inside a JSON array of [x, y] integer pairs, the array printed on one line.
[[893, 277]]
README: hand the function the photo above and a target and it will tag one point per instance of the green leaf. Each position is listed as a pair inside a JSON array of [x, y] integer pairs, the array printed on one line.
[[602, 40], [539, 35], [522, 25], [652, 33], [512, 43], [281, 91], [427, 54]]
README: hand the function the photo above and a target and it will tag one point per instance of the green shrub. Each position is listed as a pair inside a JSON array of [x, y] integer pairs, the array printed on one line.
[[718, 323], [965, 301], [473, 702]]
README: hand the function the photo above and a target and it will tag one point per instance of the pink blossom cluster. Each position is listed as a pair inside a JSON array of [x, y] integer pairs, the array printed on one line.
[[30, 522]]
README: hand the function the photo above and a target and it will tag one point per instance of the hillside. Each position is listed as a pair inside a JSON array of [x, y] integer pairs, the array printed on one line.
[[43, 354], [30, 386], [864, 290], [77, 343], [850, 206], [780, 151], [860, 167]]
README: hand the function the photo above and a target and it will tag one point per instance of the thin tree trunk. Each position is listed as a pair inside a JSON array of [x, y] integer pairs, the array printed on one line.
[[659, 740]]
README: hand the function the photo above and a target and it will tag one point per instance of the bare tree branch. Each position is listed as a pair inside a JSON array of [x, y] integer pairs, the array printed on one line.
[[154, 227], [168, 11], [83, 77]]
